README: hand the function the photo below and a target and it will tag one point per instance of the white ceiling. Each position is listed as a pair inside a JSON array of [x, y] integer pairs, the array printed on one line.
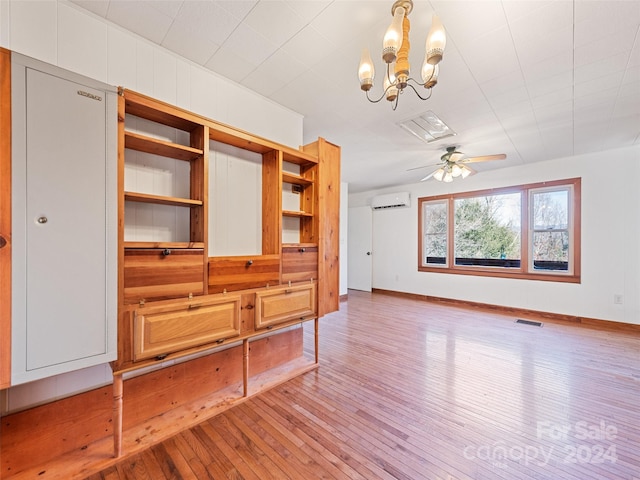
[[534, 79]]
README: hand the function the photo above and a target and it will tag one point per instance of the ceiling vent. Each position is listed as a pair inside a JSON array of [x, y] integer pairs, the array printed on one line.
[[427, 127], [391, 200]]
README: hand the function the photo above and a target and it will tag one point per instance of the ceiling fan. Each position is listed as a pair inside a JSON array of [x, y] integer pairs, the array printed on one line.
[[453, 164]]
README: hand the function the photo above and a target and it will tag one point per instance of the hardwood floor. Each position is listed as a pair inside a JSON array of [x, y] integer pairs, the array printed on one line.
[[413, 390]]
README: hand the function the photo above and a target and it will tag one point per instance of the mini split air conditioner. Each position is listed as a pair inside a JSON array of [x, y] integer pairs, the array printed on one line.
[[391, 200]]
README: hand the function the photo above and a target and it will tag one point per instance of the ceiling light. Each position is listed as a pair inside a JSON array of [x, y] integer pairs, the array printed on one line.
[[449, 171], [466, 171], [439, 174], [395, 53]]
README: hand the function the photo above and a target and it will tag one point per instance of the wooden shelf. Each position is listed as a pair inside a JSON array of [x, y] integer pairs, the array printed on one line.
[[295, 179], [194, 245], [298, 157], [136, 141], [290, 213], [156, 111], [161, 200]]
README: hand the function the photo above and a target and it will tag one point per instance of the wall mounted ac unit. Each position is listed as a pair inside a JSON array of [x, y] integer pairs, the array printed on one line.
[[391, 200]]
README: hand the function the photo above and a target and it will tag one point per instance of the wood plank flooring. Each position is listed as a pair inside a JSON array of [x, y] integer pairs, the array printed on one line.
[[413, 390]]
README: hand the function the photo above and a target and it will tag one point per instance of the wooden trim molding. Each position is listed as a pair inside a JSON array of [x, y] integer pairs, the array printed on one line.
[[519, 312], [5, 218], [524, 270]]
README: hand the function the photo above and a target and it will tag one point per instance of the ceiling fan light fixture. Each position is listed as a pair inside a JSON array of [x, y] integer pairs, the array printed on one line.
[[439, 174], [395, 53], [453, 165]]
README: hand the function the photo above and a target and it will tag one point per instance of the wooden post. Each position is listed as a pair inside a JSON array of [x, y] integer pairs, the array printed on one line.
[[316, 334], [117, 414], [245, 367]]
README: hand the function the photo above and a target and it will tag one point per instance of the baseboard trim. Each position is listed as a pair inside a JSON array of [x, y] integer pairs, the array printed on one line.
[[519, 312]]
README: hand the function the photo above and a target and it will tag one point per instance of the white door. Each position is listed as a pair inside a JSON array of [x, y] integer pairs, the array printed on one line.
[[64, 225], [359, 247]]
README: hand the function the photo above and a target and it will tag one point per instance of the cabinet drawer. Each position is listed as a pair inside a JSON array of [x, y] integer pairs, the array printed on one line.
[[242, 272], [299, 263], [150, 274], [282, 304], [171, 328]]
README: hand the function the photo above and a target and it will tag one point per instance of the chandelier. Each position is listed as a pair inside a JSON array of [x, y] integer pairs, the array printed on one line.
[[395, 53]]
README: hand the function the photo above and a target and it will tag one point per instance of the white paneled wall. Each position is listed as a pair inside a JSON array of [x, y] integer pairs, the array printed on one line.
[[60, 33], [235, 201], [153, 174]]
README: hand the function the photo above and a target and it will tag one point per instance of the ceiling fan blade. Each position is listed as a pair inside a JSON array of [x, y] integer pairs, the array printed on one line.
[[430, 175], [456, 156], [473, 172], [423, 166], [484, 158]]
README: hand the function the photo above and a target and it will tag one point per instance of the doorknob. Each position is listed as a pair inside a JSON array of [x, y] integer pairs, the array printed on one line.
[[368, 253]]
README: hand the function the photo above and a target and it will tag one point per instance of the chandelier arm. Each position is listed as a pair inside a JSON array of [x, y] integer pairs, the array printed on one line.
[[375, 101], [420, 96], [384, 94]]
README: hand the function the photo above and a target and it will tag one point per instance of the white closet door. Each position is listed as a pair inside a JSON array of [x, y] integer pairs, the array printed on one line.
[[64, 221], [66, 230]]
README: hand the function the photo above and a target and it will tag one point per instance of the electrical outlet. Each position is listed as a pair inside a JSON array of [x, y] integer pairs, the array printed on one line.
[[617, 299]]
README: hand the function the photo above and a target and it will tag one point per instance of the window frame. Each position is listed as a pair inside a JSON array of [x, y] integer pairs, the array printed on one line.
[[525, 270]]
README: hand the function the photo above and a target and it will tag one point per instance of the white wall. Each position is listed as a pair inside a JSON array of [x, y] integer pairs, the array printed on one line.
[[61, 34], [344, 218], [610, 241]]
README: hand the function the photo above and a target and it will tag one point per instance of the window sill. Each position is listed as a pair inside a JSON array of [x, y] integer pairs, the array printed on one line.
[[494, 272]]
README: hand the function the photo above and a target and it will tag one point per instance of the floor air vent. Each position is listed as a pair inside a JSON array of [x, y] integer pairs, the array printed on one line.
[[529, 322]]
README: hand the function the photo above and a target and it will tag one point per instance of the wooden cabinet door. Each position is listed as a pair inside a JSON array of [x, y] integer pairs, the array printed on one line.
[[299, 263], [162, 330], [157, 274], [283, 304], [64, 223]]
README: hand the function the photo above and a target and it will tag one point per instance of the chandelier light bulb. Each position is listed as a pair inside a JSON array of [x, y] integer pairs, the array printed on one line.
[[429, 74], [436, 41], [366, 70], [393, 37], [390, 87]]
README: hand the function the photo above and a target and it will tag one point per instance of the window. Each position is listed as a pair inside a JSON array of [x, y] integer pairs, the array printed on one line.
[[527, 231], [435, 232]]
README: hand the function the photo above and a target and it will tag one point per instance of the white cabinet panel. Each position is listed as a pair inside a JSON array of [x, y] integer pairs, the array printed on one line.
[[64, 227]]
